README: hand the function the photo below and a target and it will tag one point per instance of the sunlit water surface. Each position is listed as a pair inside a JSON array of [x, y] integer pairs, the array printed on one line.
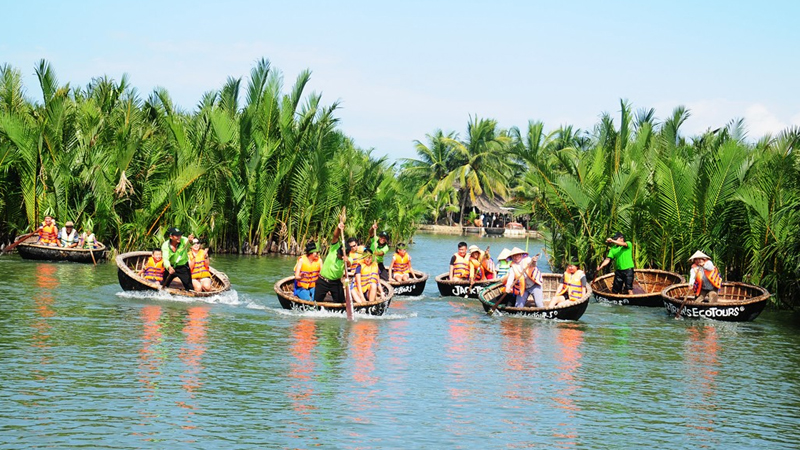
[[83, 364]]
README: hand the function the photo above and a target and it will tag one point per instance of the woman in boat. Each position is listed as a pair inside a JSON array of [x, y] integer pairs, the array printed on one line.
[[475, 268], [153, 269], [68, 237], [365, 287], [459, 263], [503, 264], [524, 279], [48, 232], [487, 265], [622, 255], [573, 287], [87, 238], [704, 278], [400, 270], [199, 266], [306, 272]]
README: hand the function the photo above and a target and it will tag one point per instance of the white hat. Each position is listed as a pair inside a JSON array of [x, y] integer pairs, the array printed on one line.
[[473, 248], [699, 254], [516, 251], [503, 255]]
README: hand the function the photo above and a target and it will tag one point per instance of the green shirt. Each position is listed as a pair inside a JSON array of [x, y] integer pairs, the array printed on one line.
[[177, 258], [376, 247], [332, 267], [622, 256]]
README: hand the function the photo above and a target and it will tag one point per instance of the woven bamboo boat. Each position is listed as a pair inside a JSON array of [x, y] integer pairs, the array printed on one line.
[[551, 281], [413, 287], [285, 290], [459, 288], [29, 249], [738, 302], [129, 265], [647, 287], [495, 231]]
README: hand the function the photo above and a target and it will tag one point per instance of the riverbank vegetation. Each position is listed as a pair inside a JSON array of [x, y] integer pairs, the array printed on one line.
[[736, 199], [265, 172]]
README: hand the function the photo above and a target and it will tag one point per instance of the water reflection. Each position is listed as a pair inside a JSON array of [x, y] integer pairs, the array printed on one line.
[[364, 344], [302, 365], [520, 345], [151, 353], [46, 283], [569, 338], [191, 354], [701, 367]]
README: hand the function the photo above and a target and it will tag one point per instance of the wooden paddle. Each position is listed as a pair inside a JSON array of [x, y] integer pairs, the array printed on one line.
[[348, 301], [683, 303], [497, 303], [18, 241]]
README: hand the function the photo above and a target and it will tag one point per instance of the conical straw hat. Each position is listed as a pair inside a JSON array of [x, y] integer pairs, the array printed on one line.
[[517, 251], [503, 255], [699, 254]]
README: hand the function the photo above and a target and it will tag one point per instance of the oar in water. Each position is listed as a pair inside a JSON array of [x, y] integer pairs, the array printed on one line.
[[18, 241], [497, 303], [683, 303]]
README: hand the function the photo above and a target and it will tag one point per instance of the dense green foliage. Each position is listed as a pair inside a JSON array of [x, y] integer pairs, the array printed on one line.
[[736, 200], [265, 173]]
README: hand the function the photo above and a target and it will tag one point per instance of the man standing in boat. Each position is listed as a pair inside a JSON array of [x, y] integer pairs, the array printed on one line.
[[704, 278], [175, 252], [330, 276], [622, 255], [380, 247]]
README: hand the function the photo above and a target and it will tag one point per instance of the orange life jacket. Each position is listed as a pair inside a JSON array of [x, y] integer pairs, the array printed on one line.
[[401, 264], [369, 275], [531, 272], [309, 272], [475, 269], [712, 276], [487, 266], [154, 270], [353, 256], [573, 286], [200, 269], [461, 266], [48, 234]]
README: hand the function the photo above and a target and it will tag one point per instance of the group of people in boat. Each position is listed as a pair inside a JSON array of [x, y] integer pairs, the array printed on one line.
[[66, 237], [179, 257], [517, 271], [361, 264]]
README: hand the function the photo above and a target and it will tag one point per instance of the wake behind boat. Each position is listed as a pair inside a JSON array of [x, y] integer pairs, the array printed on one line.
[[413, 287], [129, 265], [285, 290], [29, 249], [737, 302], [458, 287], [647, 287], [551, 281]]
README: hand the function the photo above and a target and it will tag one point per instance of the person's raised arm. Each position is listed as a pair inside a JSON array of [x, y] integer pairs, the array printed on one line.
[[337, 232]]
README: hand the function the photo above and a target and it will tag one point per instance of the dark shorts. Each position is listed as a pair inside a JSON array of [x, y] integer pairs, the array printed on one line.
[[183, 273], [383, 273], [623, 281], [333, 286]]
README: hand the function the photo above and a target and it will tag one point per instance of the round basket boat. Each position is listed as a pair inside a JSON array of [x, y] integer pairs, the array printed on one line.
[[737, 302], [413, 287], [459, 288], [647, 287], [285, 290], [551, 281], [129, 265], [29, 249], [495, 231]]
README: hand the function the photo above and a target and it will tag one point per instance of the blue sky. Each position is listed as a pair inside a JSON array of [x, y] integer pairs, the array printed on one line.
[[403, 69]]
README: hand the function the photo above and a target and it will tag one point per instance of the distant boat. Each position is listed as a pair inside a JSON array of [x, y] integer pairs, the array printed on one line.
[[29, 249], [495, 231], [551, 281], [459, 288], [738, 302], [413, 287], [129, 265], [647, 287], [285, 290]]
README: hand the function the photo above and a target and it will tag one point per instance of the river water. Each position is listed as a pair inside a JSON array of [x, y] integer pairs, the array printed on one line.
[[83, 364]]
